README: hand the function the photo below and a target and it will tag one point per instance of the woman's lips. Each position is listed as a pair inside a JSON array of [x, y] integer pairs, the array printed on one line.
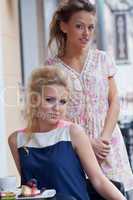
[[84, 40], [52, 115]]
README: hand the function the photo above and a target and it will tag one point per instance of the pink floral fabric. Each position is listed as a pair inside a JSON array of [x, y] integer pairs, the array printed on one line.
[[89, 105]]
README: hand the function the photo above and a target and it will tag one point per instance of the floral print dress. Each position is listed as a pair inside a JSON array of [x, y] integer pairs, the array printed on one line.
[[89, 105]]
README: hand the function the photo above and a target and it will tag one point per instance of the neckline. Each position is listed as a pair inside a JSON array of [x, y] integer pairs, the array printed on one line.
[[71, 68], [46, 132], [61, 124]]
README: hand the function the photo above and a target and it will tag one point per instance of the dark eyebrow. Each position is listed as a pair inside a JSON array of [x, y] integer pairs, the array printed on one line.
[[49, 96], [78, 21], [91, 24]]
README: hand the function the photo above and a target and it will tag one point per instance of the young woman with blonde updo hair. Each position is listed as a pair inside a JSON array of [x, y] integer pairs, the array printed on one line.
[[53, 152]]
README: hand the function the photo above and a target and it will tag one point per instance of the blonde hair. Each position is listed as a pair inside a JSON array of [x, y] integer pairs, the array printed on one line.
[[64, 13], [46, 75]]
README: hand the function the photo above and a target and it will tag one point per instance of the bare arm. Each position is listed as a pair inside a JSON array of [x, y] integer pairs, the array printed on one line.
[[101, 146], [12, 140], [89, 162], [113, 112]]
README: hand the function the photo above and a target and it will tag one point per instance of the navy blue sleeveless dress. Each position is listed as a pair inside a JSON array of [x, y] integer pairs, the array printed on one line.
[[52, 161]]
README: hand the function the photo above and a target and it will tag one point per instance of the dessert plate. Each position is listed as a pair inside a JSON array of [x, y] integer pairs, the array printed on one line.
[[46, 194]]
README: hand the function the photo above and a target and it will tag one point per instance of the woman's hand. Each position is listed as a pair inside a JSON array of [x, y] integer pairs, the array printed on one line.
[[101, 148]]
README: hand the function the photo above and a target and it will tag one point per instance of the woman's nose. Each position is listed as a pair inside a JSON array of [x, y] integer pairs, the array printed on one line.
[[56, 105], [86, 31]]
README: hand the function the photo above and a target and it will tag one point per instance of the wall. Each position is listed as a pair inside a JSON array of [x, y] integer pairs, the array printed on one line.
[[124, 70], [10, 77], [35, 32]]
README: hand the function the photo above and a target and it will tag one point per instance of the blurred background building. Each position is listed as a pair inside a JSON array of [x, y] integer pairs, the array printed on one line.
[[24, 33]]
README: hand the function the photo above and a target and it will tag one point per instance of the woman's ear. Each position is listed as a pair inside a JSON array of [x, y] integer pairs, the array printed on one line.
[[35, 100], [63, 27]]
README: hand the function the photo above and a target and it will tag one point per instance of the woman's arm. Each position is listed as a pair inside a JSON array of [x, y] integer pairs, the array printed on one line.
[[89, 162], [113, 111], [12, 141], [101, 145]]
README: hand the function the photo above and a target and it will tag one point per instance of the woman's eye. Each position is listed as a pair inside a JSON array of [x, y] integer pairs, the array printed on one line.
[[50, 99], [53, 100], [91, 27], [79, 26], [63, 101]]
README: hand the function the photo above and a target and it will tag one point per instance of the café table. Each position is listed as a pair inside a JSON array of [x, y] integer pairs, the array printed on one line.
[[56, 197], [23, 198]]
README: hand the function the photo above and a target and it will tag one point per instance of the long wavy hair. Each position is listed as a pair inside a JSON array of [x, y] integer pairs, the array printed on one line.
[[63, 13]]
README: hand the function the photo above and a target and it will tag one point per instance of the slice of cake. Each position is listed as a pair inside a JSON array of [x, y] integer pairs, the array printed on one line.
[[27, 191], [30, 189]]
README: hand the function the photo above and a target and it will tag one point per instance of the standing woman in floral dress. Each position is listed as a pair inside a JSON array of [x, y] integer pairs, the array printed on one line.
[[94, 101]]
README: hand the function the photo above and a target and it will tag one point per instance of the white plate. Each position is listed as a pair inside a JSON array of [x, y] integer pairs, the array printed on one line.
[[45, 194]]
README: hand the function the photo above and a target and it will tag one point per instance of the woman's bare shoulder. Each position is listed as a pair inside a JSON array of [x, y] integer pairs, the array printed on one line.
[[13, 136], [76, 130], [50, 61]]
